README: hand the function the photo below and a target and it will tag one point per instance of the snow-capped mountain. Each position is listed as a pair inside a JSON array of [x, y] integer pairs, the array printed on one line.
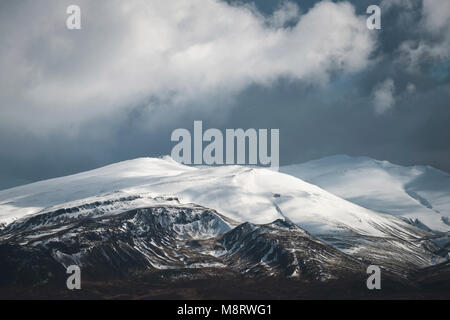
[[156, 215], [418, 194], [240, 193]]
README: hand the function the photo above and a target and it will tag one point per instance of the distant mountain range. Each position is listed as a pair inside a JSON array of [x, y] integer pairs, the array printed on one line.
[[161, 228]]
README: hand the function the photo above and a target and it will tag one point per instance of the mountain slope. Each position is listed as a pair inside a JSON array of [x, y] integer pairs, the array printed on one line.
[[164, 237], [419, 194], [241, 194]]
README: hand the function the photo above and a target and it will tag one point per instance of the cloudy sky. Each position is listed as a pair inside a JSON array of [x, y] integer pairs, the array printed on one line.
[[73, 100]]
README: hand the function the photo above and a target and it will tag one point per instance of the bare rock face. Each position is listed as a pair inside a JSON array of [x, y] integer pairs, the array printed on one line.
[[164, 238]]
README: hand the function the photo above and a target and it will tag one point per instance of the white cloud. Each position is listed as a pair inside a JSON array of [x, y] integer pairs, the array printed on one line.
[[437, 22], [437, 15], [434, 32], [287, 13], [384, 96], [177, 51]]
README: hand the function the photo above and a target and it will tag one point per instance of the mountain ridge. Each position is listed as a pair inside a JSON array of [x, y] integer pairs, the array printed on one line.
[[156, 218]]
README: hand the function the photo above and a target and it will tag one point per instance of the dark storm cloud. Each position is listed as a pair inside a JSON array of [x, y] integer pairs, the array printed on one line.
[[315, 119]]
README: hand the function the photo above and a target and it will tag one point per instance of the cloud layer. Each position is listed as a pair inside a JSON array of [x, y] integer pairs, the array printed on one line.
[[175, 51], [74, 100]]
